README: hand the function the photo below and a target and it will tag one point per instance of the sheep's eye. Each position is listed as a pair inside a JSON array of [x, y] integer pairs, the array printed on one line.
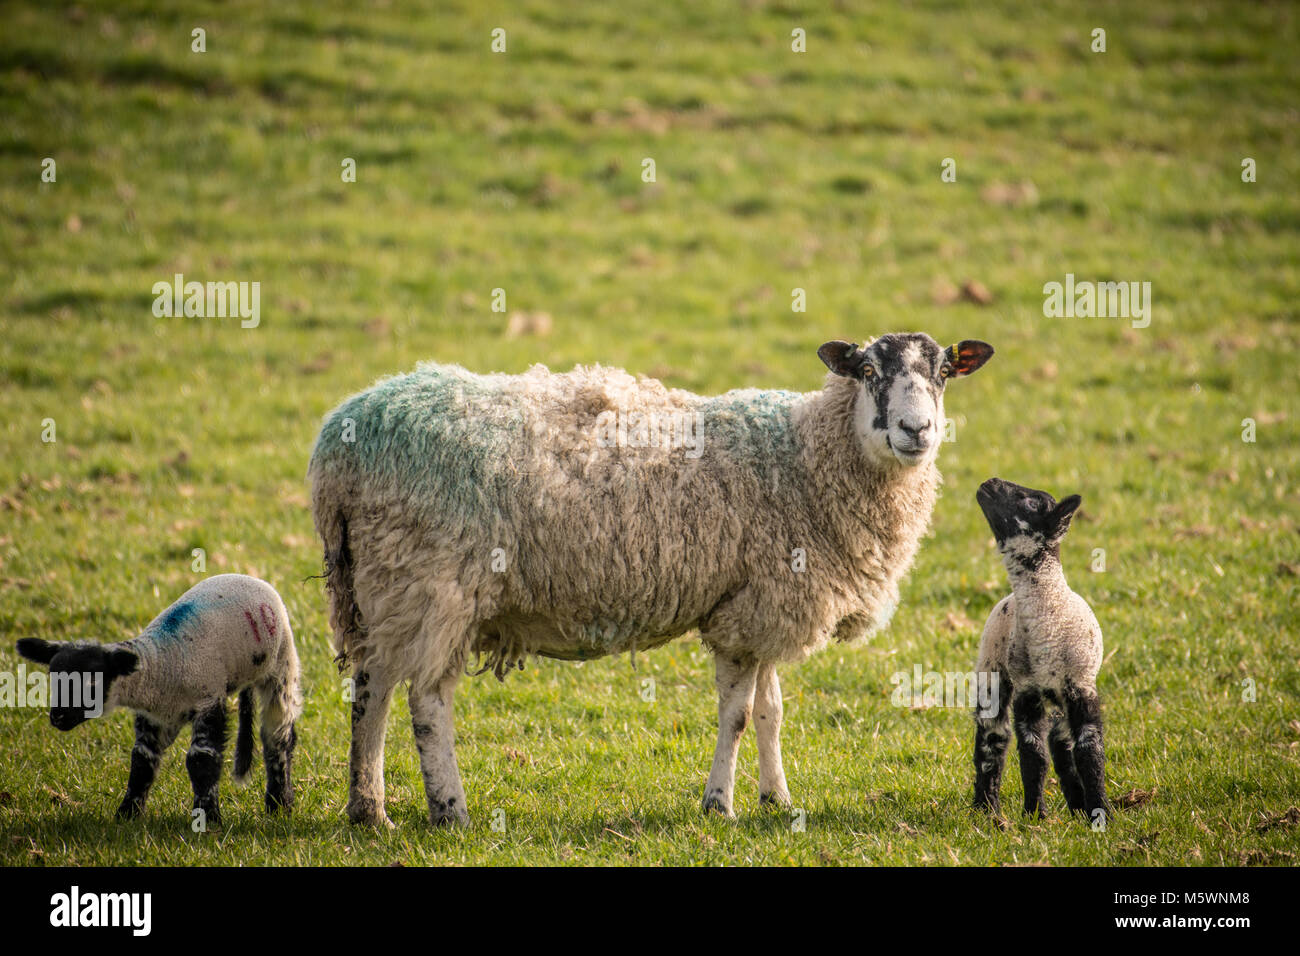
[[868, 371], [945, 370]]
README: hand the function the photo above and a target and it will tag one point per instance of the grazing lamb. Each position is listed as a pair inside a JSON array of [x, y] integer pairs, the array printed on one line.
[[228, 633], [1044, 642], [492, 517]]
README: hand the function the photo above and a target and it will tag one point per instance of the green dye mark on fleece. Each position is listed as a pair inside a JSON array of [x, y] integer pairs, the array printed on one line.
[[753, 425], [440, 432]]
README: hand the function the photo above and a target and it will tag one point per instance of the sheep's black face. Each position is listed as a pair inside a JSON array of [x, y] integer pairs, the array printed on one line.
[[1027, 523], [80, 676], [902, 377]]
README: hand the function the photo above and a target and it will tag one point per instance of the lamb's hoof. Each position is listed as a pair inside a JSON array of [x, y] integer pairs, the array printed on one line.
[[275, 805], [129, 810], [211, 814], [369, 813], [714, 803], [776, 800]]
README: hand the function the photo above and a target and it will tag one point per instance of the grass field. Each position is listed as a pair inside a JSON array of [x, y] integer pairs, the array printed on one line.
[[775, 170]]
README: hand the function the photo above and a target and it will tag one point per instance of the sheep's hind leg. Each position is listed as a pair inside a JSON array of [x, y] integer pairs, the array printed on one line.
[[1031, 733], [151, 742], [432, 719], [372, 692], [1083, 708], [204, 760], [279, 738], [1062, 744], [992, 735], [768, 711], [735, 678]]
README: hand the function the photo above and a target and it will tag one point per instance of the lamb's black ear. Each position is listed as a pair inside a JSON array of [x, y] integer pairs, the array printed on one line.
[[120, 662], [37, 649], [1063, 512], [842, 358], [967, 356]]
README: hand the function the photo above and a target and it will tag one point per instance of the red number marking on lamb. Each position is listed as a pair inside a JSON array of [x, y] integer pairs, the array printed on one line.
[[253, 624], [268, 618]]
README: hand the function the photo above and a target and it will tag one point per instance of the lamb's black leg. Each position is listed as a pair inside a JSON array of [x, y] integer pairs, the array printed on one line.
[[1062, 742], [278, 754], [1031, 733], [151, 741], [204, 760], [992, 734], [1083, 708]]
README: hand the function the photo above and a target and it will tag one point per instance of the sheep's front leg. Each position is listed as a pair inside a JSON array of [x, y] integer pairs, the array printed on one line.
[[735, 678], [1031, 734], [204, 760], [151, 741], [372, 692], [1062, 743], [1083, 709], [992, 735], [768, 711], [435, 738]]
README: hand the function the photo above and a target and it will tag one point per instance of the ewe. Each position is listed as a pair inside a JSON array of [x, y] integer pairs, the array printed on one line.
[[495, 517]]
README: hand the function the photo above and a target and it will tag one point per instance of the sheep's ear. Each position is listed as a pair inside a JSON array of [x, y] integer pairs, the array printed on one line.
[[967, 356], [38, 650], [120, 662], [1063, 512], [842, 358]]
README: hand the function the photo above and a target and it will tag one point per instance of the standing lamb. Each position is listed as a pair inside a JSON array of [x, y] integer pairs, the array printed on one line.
[[1045, 643], [497, 516], [228, 633]]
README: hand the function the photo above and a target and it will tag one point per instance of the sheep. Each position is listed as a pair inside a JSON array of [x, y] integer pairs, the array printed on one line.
[[1044, 642], [229, 633], [484, 518]]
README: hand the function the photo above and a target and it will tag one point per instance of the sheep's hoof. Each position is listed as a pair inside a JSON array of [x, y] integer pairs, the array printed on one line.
[[449, 818], [776, 800], [713, 803], [129, 810], [370, 814]]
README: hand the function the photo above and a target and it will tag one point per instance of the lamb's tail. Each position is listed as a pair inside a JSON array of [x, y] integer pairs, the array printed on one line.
[[244, 736]]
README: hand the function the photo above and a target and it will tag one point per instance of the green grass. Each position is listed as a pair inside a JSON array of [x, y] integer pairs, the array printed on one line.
[[775, 170]]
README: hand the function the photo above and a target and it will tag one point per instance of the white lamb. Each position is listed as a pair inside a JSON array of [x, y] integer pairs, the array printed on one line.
[[497, 516], [229, 633]]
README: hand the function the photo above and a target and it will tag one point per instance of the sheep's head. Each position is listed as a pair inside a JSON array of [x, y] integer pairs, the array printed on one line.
[[1028, 524], [899, 413], [81, 673]]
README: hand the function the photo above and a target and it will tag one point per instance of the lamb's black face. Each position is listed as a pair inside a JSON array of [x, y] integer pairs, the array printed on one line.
[[1026, 522], [903, 377], [80, 676]]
